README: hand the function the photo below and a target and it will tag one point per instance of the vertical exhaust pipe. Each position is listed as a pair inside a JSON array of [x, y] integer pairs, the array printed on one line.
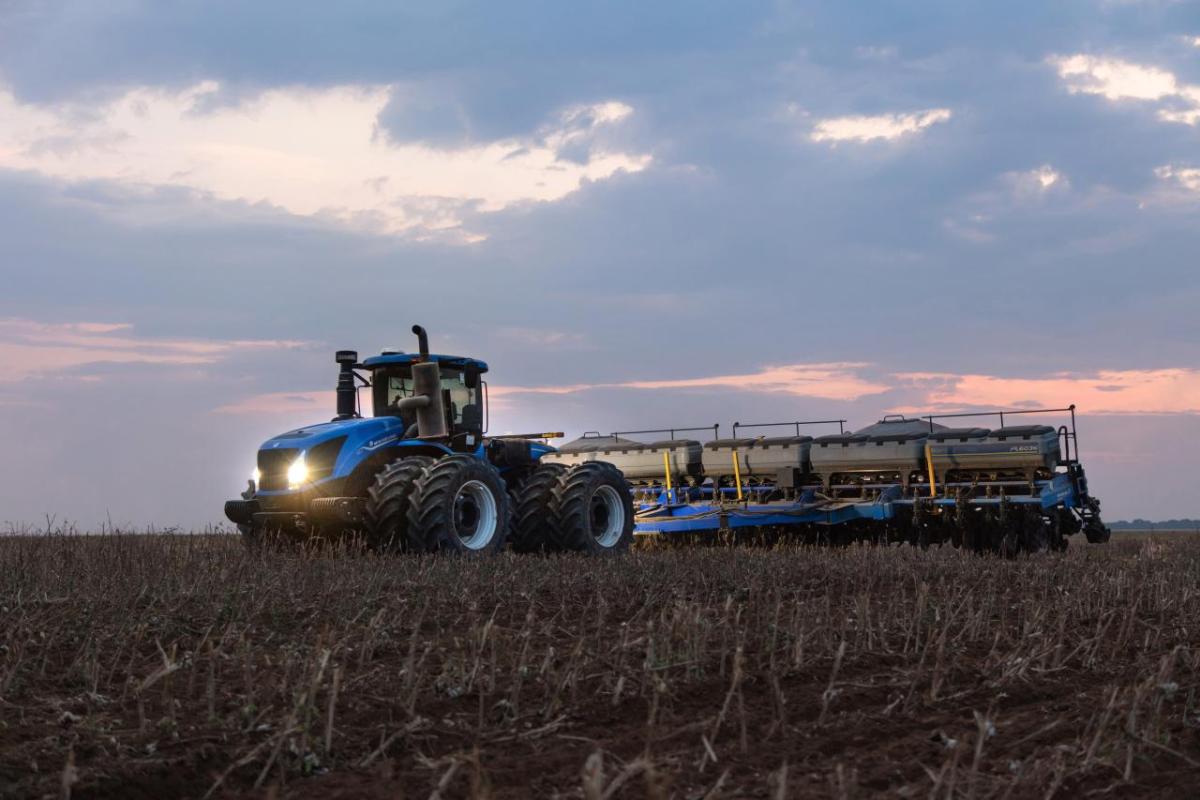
[[347, 391], [422, 341]]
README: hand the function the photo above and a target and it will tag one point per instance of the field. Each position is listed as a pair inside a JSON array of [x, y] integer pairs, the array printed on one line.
[[181, 666]]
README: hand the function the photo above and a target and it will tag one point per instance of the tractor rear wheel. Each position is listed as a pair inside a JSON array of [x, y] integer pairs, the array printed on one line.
[[532, 527], [458, 505], [592, 509], [388, 500]]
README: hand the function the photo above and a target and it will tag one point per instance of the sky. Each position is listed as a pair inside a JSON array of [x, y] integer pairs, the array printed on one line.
[[640, 215]]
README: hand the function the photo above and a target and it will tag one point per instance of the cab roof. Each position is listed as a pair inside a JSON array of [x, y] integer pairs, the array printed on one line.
[[398, 359]]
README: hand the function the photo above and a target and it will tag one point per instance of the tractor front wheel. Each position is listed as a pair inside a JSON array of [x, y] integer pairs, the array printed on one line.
[[458, 505], [592, 510], [388, 500]]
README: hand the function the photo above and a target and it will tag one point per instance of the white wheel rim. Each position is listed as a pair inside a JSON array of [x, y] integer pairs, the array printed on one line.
[[608, 516], [475, 515]]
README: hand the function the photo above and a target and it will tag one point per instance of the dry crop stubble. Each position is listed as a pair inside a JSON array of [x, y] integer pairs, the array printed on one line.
[[183, 666]]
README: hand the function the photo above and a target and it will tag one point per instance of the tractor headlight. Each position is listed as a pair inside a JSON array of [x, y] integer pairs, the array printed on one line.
[[297, 473]]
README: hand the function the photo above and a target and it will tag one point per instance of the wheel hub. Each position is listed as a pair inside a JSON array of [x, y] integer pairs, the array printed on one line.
[[475, 515], [607, 514]]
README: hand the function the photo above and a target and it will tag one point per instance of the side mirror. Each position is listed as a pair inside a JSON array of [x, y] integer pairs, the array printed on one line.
[[471, 376]]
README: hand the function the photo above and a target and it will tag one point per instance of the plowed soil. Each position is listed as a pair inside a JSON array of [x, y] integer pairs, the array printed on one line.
[[182, 666]]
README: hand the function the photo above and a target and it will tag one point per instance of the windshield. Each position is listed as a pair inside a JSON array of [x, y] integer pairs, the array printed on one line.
[[393, 384]]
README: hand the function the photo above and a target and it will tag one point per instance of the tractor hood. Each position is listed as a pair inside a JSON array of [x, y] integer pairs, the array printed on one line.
[[359, 438], [356, 431]]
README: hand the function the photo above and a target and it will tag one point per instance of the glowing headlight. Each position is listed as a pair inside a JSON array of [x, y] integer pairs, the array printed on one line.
[[297, 473]]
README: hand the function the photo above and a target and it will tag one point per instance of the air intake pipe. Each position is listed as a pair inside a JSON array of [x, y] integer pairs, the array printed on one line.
[[347, 391], [427, 391]]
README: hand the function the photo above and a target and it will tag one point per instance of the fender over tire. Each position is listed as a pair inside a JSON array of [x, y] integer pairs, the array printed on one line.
[[459, 504], [592, 510], [388, 501]]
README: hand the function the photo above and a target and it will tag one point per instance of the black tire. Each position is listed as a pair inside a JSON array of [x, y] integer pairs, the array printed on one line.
[[459, 504], [532, 526], [1036, 539], [388, 500], [583, 506]]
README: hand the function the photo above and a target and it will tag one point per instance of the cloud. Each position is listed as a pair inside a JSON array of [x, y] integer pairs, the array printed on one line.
[[282, 403], [310, 151], [542, 338], [881, 126], [835, 381], [1034, 183], [1157, 391], [30, 348], [1117, 80], [1186, 177], [1045, 175]]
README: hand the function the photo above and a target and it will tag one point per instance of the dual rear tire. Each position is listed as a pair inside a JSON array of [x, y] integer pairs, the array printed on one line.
[[587, 508], [460, 504], [454, 504]]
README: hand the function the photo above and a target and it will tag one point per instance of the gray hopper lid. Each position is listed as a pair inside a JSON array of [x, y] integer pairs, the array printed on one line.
[[779, 441], [1022, 431], [893, 427], [588, 444], [717, 443], [952, 434], [840, 438]]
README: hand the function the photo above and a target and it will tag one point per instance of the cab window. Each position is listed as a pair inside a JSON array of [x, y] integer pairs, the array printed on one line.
[[395, 384]]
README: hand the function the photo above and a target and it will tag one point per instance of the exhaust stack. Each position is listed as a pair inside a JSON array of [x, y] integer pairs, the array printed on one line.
[[422, 341], [347, 392]]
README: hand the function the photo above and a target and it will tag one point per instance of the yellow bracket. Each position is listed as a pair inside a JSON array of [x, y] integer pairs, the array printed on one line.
[[932, 475], [737, 474], [667, 469]]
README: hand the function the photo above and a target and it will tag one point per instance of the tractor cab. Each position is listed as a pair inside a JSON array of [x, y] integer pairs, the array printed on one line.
[[434, 397], [460, 386]]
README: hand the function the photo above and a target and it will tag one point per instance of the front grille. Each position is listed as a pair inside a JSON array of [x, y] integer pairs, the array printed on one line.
[[273, 464], [321, 458]]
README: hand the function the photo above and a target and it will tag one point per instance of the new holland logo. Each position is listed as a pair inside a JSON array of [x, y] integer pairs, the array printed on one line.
[[377, 443]]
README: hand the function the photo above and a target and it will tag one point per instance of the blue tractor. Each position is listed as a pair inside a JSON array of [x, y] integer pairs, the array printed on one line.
[[421, 474]]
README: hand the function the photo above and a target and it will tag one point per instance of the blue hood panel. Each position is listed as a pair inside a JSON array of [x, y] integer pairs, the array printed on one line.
[[363, 436]]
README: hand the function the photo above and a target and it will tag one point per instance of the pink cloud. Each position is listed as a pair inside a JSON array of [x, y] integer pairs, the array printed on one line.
[[29, 348], [833, 381], [1162, 391], [1157, 391], [281, 403]]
